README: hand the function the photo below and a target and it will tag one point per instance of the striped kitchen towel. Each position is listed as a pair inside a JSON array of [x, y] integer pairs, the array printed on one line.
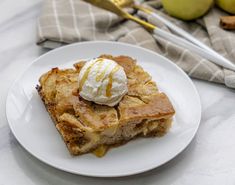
[[68, 21]]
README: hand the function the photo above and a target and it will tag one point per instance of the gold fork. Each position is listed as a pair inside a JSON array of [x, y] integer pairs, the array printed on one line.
[[112, 6]]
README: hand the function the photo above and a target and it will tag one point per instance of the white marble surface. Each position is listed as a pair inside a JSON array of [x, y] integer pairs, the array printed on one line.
[[209, 159]]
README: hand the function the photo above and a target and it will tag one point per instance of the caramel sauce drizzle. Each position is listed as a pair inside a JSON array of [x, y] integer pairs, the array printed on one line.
[[101, 75], [85, 76], [110, 82], [100, 151]]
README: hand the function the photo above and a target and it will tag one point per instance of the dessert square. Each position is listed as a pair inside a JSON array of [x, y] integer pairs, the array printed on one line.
[[89, 127]]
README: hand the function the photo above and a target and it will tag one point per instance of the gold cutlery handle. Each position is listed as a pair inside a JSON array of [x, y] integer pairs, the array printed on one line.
[[112, 7], [143, 9], [145, 24]]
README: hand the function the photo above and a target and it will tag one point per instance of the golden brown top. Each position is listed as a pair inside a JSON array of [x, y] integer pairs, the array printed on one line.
[[59, 89]]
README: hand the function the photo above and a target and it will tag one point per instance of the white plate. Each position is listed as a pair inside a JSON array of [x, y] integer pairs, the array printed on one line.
[[33, 128]]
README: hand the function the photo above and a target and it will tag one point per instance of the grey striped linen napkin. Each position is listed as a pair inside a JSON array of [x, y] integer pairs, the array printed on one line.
[[69, 21]]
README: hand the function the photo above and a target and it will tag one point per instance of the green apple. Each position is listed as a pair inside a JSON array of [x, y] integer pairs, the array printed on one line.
[[187, 9], [227, 5]]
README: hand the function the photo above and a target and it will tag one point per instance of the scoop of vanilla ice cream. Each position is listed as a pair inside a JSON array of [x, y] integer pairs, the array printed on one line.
[[102, 81]]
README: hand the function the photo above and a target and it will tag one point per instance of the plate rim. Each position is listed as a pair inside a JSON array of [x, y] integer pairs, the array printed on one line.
[[104, 175]]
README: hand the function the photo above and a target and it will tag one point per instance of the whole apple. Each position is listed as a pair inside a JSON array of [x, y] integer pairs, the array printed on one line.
[[187, 9], [227, 5]]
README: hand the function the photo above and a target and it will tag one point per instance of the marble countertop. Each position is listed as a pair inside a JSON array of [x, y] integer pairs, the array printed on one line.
[[209, 159]]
